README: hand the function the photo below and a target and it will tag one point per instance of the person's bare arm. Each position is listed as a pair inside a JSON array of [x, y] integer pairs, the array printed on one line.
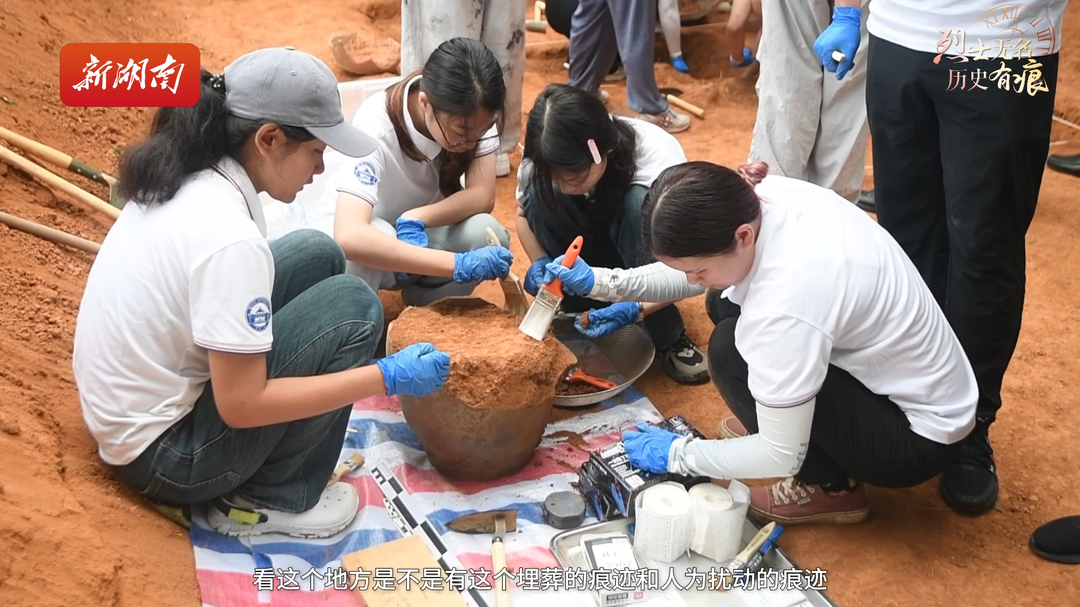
[[366, 245], [528, 240], [245, 398], [478, 196]]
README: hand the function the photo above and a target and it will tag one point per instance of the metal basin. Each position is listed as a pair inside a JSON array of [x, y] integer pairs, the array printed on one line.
[[620, 357]]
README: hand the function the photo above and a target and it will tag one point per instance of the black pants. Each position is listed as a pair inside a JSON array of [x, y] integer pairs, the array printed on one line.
[[615, 244], [956, 179], [855, 433]]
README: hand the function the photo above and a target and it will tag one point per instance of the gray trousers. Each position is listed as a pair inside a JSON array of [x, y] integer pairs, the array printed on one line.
[[499, 24], [468, 235], [809, 125], [601, 29]]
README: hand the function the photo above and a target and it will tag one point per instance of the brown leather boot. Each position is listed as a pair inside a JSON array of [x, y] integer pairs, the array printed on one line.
[[790, 502]]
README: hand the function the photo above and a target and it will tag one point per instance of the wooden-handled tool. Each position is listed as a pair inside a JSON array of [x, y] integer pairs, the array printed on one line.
[[64, 161], [693, 109], [53, 180], [496, 522], [50, 234], [516, 302]]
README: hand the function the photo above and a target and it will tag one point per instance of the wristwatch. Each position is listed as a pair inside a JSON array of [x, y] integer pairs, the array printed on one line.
[[640, 312]]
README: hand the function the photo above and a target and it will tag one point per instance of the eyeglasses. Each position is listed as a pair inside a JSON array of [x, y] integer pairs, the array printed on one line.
[[462, 144]]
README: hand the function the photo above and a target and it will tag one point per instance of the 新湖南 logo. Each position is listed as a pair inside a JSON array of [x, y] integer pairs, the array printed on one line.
[[129, 75]]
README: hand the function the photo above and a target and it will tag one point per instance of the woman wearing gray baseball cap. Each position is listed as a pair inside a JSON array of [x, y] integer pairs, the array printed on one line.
[[214, 367]]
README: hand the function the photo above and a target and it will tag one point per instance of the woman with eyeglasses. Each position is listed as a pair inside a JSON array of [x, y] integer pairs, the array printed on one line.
[[405, 217]]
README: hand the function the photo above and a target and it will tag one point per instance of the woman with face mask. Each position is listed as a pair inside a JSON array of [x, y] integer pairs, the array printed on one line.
[[828, 347], [212, 366]]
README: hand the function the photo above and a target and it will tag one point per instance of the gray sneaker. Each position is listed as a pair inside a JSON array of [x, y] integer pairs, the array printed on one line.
[[684, 362], [670, 120]]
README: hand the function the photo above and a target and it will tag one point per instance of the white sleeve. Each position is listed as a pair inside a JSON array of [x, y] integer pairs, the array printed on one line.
[[524, 176], [230, 299], [361, 178], [490, 143], [655, 282], [787, 358], [777, 450]]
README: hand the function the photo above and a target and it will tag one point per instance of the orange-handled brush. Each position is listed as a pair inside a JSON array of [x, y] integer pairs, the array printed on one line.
[[542, 311]]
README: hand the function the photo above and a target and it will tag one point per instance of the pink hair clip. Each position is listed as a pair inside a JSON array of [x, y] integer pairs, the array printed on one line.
[[595, 152]]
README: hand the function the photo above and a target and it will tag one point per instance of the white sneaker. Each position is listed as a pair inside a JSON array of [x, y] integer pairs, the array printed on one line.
[[671, 121], [502, 165], [337, 508]]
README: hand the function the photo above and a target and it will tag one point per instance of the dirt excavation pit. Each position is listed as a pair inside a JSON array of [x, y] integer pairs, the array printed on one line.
[[489, 416]]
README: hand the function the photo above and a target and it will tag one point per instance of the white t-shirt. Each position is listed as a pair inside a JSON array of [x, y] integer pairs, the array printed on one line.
[[170, 281], [387, 178], [997, 29], [656, 150], [831, 286]]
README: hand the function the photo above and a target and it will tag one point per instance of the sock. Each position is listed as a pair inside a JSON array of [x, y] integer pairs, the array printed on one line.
[[848, 484]]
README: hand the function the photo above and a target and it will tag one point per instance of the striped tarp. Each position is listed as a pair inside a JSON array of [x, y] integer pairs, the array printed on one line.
[[281, 571]]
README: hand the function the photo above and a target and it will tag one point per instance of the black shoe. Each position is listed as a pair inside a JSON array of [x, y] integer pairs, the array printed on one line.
[[1065, 164], [1058, 540], [866, 201], [684, 362], [970, 484]]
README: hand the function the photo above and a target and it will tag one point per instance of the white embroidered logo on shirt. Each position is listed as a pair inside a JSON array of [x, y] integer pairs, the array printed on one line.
[[365, 173], [258, 314]]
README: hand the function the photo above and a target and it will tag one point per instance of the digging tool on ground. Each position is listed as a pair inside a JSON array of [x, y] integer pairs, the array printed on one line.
[[498, 523], [50, 234], [51, 179], [64, 161]]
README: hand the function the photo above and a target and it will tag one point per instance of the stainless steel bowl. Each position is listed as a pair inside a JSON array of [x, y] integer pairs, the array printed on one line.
[[620, 357]]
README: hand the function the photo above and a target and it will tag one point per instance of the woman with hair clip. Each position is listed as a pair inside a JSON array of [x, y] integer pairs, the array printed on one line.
[[586, 172], [216, 368], [403, 217], [829, 348]]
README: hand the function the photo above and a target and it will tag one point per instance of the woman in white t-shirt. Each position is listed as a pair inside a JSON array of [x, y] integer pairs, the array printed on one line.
[[216, 368], [586, 172], [403, 217], [829, 348]]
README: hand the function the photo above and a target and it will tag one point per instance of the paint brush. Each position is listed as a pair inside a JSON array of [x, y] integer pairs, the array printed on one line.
[[758, 559], [739, 563], [542, 311], [513, 293]]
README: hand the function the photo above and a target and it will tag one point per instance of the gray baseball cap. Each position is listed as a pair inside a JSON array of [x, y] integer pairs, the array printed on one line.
[[293, 88]]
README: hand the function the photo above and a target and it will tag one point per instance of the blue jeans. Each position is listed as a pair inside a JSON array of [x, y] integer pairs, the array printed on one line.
[[616, 244], [324, 321]]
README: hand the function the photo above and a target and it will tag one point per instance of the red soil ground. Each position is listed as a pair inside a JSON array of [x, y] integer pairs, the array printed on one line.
[[70, 535]]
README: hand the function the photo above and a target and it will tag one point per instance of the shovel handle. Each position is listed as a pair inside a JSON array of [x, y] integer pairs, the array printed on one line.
[[498, 563], [50, 234], [56, 157], [55, 181]]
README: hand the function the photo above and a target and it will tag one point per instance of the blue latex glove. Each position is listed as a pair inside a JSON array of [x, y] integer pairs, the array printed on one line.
[[648, 447], [843, 35], [412, 232], [487, 263], [610, 319], [576, 280], [534, 277], [417, 370], [747, 58]]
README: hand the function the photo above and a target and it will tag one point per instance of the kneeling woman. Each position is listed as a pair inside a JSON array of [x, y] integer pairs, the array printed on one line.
[[828, 346], [215, 367], [586, 172], [403, 218]]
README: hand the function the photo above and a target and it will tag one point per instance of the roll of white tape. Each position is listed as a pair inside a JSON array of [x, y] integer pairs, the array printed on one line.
[[664, 524], [717, 523]]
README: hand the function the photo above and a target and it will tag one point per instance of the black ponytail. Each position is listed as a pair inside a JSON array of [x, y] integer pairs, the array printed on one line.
[[186, 140], [560, 125]]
